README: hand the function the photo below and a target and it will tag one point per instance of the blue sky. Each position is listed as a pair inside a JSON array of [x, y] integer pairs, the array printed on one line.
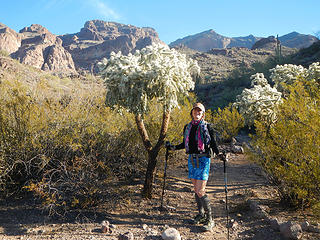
[[172, 19]]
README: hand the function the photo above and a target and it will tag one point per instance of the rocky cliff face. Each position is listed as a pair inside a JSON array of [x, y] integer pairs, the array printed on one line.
[[72, 53], [97, 39], [36, 46], [10, 41]]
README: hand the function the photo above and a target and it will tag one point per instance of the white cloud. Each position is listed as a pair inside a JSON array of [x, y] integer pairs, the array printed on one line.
[[104, 10]]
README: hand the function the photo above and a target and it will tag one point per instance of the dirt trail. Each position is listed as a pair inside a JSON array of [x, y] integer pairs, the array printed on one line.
[[144, 220]]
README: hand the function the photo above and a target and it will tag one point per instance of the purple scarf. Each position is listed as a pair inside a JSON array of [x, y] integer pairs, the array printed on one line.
[[202, 135]]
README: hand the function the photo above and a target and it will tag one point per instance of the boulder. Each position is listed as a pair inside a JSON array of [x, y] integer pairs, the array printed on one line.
[[291, 230]]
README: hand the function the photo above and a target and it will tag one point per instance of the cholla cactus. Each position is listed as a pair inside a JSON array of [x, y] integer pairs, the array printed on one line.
[[259, 102], [153, 72], [313, 73], [287, 74]]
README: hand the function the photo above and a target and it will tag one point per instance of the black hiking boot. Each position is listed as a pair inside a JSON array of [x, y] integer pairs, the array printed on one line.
[[209, 223], [200, 218]]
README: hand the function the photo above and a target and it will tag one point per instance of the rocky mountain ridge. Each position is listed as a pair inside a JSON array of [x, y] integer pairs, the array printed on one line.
[[207, 40], [79, 52], [73, 53], [97, 39]]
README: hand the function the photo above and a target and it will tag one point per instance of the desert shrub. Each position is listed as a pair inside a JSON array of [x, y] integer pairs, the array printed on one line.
[[289, 148], [58, 139], [227, 122]]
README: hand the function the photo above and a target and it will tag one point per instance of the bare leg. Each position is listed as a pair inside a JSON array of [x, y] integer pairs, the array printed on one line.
[[199, 187]]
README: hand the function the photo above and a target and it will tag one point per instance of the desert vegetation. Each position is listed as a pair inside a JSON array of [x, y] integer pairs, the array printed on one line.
[[61, 139], [286, 142]]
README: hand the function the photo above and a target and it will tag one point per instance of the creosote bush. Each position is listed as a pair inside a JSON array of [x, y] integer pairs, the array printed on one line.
[[227, 122]]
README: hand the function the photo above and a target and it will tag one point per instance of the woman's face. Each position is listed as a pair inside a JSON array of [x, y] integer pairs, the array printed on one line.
[[197, 114]]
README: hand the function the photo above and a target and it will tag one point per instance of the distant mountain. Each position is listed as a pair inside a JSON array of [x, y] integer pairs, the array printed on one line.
[[308, 55], [246, 42], [207, 40], [203, 41], [79, 52], [297, 40]]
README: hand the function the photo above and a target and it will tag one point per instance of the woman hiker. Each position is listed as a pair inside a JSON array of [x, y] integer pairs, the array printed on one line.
[[198, 140]]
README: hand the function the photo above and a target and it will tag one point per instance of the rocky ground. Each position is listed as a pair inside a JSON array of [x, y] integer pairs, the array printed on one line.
[[142, 219]]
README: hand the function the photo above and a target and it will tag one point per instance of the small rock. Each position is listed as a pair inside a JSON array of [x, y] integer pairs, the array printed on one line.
[[105, 226], [126, 236], [313, 228], [291, 230], [113, 226], [171, 234], [171, 208], [237, 149], [233, 223], [145, 227], [153, 233], [258, 210], [305, 225]]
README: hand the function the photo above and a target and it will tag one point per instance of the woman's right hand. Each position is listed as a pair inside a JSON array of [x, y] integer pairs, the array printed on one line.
[[169, 146]]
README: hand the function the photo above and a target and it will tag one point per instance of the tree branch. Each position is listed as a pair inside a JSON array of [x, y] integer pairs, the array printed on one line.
[[164, 129], [143, 132]]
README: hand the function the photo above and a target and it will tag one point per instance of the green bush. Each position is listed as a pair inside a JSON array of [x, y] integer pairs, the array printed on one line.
[[58, 140], [289, 149], [227, 122]]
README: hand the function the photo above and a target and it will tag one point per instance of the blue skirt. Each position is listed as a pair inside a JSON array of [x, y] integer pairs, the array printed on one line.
[[200, 172]]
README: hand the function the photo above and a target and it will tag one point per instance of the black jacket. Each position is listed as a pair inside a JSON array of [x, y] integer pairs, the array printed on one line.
[[193, 145]]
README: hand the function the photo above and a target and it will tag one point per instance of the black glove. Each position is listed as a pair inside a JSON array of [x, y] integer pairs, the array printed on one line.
[[223, 156], [169, 146]]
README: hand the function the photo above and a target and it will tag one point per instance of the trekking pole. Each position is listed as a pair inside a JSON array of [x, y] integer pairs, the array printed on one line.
[[225, 159], [165, 173]]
